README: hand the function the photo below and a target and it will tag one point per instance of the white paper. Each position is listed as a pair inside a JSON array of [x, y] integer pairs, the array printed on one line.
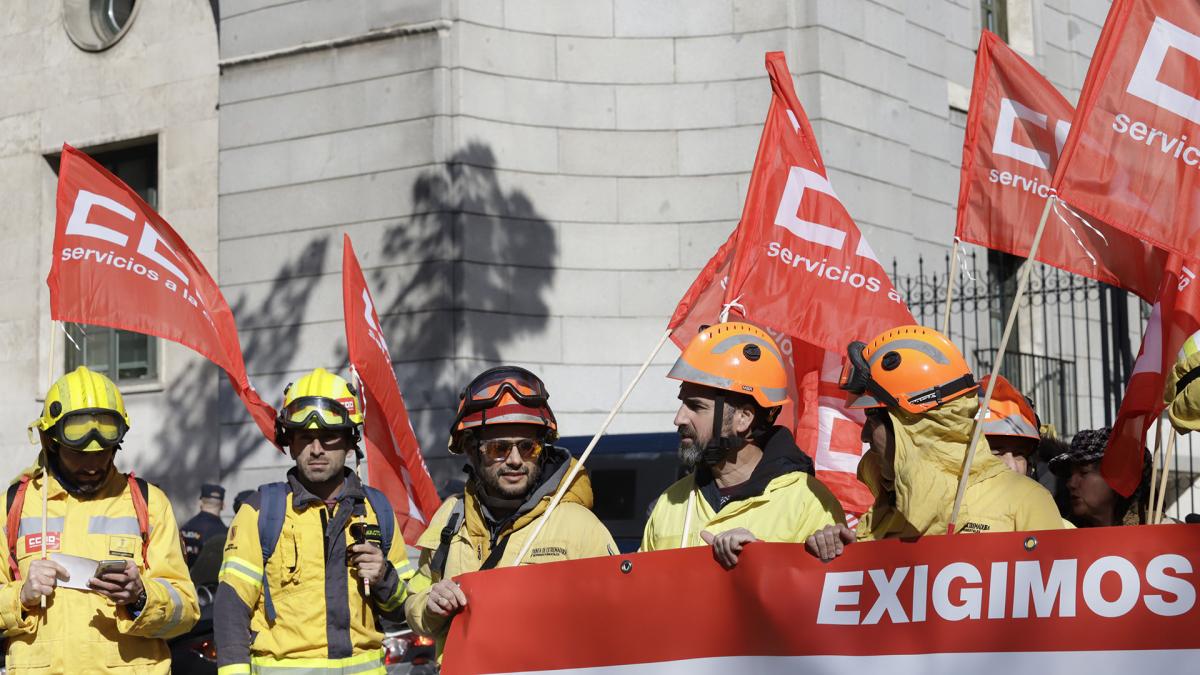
[[81, 569]]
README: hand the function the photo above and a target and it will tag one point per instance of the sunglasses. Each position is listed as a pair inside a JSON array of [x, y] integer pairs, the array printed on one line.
[[498, 449]]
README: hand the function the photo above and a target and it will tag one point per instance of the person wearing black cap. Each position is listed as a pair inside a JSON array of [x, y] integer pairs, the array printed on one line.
[[1091, 502], [206, 524]]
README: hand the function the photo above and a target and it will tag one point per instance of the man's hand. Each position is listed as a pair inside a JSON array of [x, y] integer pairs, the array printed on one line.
[[728, 545], [41, 580], [445, 598], [368, 560], [829, 542], [123, 587]]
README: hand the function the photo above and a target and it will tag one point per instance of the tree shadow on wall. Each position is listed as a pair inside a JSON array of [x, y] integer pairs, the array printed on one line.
[[457, 286], [205, 415]]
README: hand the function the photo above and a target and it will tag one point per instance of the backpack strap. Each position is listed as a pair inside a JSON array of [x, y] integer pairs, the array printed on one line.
[[272, 509], [139, 491], [16, 501], [384, 515], [457, 517]]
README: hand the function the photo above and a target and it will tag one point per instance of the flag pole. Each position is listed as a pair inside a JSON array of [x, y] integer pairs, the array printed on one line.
[[977, 431], [566, 483], [1154, 459], [950, 278], [1166, 470]]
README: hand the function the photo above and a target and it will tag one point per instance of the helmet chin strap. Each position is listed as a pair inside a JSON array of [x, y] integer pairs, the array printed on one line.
[[718, 446]]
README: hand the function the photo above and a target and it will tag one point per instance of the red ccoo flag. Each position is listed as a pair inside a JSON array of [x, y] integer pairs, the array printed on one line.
[[801, 266], [117, 263], [1176, 316], [1132, 158], [1016, 125], [393, 456]]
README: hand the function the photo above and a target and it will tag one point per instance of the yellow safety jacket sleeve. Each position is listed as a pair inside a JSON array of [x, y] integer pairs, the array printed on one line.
[[171, 608], [389, 594], [420, 619], [14, 620], [239, 586]]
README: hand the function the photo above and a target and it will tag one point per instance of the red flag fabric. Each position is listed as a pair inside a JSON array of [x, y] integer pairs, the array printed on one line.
[[117, 263], [1175, 317], [394, 459], [801, 266], [1016, 124], [1132, 157], [1103, 600], [831, 429]]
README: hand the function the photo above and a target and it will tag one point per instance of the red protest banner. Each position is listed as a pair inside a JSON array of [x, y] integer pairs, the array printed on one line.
[[1131, 159], [117, 263], [801, 266], [1016, 126], [1104, 600], [394, 458], [1175, 317]]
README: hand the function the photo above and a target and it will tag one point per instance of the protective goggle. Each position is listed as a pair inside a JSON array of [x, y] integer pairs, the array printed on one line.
[[326, 413], [490, 387], [498, 449], [80, 428], [856, 373]]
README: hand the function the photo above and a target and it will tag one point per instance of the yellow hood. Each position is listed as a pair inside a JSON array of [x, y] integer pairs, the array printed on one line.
[[930, 449], [1183, 409]]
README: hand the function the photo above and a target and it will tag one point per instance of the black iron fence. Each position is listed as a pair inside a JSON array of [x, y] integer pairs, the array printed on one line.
[[1072, 349]]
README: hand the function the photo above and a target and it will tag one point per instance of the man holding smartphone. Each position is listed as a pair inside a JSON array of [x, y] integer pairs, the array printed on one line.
[[311, 563], [100, 523]]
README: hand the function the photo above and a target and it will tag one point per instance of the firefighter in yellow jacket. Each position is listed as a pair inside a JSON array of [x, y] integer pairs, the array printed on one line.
[[506, 429], [334, 559], [751, 482], [120, 619], [921, 403]]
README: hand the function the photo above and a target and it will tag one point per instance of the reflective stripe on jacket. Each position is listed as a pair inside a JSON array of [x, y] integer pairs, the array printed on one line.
[[83, 631], [573, 532], [324, 622]]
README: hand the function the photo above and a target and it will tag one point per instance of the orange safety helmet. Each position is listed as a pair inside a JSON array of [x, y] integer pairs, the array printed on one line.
[[735, 357], [503, 395], [913, 368], [1009, 412]]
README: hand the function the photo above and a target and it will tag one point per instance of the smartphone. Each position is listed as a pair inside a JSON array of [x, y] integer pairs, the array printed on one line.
[[109, 567]]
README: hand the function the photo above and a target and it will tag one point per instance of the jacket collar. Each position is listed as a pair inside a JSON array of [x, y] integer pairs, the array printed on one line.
[[302, 498], [780, 456]]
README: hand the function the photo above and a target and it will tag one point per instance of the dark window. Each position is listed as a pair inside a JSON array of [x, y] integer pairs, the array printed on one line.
[[123, 356], [995, 17]]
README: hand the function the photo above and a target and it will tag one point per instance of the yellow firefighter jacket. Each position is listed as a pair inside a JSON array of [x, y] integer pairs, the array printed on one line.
[[573, 532], [324, 623], [780, 502], [930, 449], [82, 631]]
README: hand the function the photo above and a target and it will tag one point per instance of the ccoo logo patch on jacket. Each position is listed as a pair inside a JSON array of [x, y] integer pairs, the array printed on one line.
[[33, 542]]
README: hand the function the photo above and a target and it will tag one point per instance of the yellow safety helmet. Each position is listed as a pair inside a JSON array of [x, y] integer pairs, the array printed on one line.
[[84, 411], [319, 400]]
